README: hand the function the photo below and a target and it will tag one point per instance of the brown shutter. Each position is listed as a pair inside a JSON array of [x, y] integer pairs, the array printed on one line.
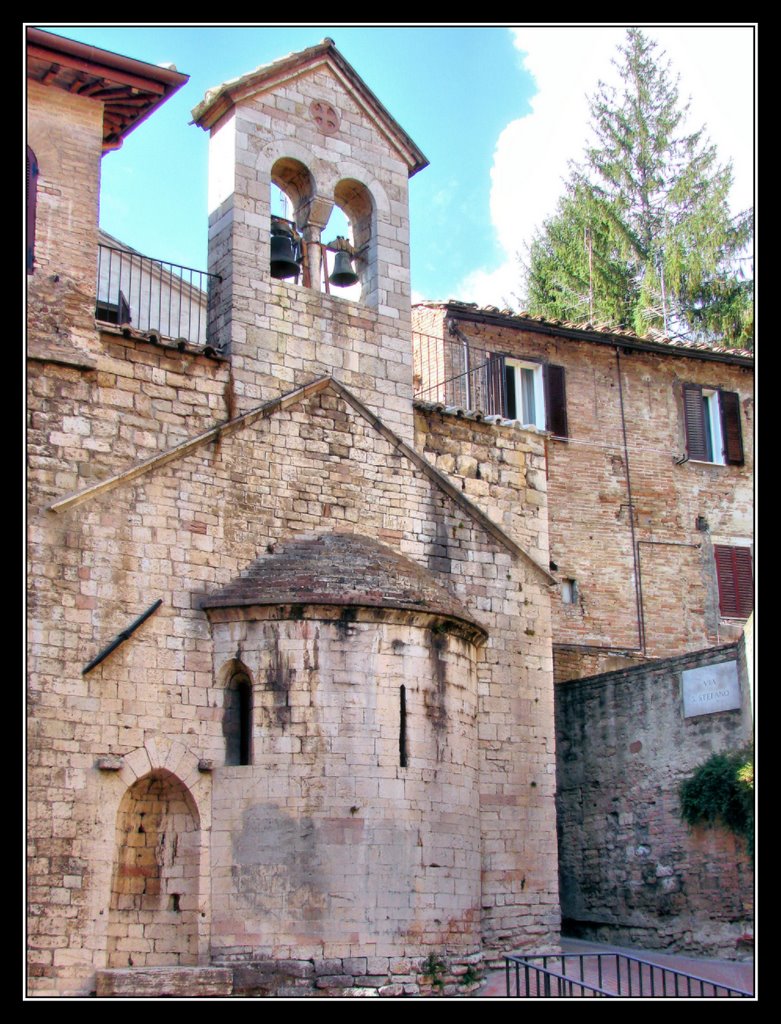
[[694, 422], [497, 388], [729, 403], [736, 584], [555, 400], [123, 314], [32, 193]]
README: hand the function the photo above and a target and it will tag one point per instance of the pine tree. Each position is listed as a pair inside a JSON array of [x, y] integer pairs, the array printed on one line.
[[643, 237]]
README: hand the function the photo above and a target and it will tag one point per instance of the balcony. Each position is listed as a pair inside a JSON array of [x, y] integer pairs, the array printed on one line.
[[450, 372], [152, 296]]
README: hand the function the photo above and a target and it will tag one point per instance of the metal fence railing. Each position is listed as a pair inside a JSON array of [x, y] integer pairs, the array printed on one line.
[[152, 295], [450, 372], [565, 975]]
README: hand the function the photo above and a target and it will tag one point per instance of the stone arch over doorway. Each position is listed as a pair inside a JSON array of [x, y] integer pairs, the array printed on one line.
[[154, 901]]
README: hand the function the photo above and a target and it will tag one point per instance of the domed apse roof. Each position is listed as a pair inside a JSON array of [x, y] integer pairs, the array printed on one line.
[[343, 569]]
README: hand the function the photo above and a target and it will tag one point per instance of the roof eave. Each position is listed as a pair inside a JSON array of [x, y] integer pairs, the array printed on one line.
[[460, 312], [159, 82]]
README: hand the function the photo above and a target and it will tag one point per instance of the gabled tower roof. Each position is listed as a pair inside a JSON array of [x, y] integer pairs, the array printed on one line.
[[219, 100]]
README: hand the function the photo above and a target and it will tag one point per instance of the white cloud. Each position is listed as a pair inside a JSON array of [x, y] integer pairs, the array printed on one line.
[[532, 153]]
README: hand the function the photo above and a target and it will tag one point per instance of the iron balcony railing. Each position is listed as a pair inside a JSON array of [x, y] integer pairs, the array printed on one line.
[[565, 975], [152, 295], [450, 372]]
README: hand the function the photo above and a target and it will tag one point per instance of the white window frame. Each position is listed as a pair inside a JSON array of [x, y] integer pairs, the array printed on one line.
[[569, 591], [713, 425], [520, 413]]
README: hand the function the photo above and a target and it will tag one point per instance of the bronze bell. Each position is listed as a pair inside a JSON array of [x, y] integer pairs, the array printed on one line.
[[285, 258], [343, 274]]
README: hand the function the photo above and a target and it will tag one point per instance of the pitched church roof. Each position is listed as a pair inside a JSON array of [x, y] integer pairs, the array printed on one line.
[[268, 409]]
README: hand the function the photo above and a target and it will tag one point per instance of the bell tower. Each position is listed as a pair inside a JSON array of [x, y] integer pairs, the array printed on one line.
[[297, 301]]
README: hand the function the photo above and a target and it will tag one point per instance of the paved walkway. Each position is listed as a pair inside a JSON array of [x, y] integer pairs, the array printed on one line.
[[737, 974]]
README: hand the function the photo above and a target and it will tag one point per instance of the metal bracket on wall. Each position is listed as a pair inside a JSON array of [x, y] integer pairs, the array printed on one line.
[[121, 637]]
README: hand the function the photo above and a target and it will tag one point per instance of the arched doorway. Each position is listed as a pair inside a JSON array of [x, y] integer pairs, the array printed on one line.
[[153, 910]]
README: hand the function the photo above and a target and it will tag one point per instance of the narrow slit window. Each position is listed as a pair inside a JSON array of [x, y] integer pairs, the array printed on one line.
[[245, 722], [237, 721], [403, 726], [32, 195]]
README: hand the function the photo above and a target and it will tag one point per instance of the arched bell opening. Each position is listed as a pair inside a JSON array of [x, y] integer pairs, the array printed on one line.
[[339, 263], [154, 900], [292, 191], [355, 213]]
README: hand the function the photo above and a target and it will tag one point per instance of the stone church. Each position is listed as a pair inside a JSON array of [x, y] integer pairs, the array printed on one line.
[[290, 701]]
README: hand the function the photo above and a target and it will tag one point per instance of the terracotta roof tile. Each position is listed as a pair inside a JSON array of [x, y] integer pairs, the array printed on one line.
[[338, 569], [517, 319]]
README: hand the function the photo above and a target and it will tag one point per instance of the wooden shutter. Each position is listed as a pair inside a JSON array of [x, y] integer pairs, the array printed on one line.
[[729, 404], [32, 193], [736, 583], [694, 423], [497, 387], [123, 309], [555, 400]]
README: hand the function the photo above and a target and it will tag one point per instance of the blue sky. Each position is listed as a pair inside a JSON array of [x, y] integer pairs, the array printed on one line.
[[498, 111]]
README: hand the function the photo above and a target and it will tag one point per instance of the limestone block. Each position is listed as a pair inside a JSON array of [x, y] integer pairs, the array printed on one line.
[[178, 982]]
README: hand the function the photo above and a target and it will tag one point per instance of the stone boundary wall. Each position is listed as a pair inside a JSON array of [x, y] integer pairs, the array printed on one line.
[[344, 978], [631, 871]]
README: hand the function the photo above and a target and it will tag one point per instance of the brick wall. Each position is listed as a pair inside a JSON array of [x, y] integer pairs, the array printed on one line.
[[631, 871], [65, 131], [645, 588]]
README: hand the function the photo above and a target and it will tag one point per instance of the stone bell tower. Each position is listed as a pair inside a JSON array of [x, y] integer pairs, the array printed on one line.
[[309, 125]]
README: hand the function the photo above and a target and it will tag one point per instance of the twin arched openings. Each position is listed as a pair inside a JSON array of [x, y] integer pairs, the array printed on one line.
[[321, 230]]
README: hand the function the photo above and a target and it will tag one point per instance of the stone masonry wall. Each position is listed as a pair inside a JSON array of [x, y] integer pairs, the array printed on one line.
[[190, 525], [128, 821], [500, 468], [282, 334], [503, 470], [631, 871], [589, 480], [330, 844]]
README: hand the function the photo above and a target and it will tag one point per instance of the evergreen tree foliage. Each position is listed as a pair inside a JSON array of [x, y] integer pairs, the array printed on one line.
[[643, 237]]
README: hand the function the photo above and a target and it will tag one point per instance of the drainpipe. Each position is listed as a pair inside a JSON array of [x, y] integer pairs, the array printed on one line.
[[635, 553], [455, 332]]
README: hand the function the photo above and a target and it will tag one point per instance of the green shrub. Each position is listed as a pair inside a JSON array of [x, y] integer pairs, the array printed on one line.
[[721, 791]]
